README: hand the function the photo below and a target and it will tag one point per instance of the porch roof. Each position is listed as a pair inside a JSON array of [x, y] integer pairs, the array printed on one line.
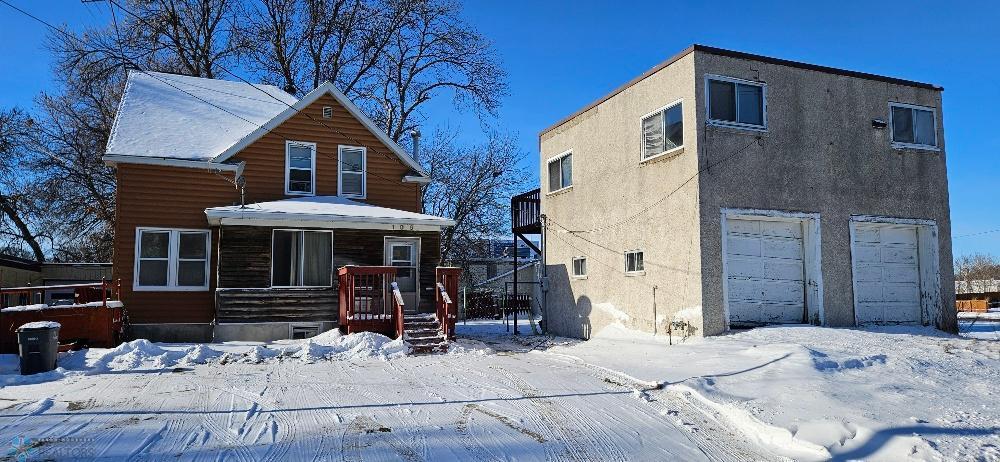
[[323, 212]]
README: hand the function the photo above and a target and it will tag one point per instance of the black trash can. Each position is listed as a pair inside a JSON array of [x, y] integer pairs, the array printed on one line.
[[38, 345]]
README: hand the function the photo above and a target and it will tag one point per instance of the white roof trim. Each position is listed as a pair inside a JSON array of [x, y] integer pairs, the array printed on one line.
[[416, 179], [311, 97], [113, 159]]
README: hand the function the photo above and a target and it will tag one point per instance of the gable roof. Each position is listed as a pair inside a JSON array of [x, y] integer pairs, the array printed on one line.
[[326, 88], [170, 116], [198, 122]]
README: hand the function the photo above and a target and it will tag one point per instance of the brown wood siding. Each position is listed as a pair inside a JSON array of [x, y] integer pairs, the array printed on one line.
[[265, 159], [173, 197], [168, 197]]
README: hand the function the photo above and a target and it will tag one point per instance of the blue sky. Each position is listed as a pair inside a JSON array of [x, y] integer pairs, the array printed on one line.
[[562, 55]]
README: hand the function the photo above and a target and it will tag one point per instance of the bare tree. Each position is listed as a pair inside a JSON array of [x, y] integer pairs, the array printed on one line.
[[978, 273], [473, 186], [16, 227]]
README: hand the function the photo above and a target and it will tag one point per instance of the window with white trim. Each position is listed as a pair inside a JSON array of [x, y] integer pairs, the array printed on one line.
[[633, 261], [579, 266], [913, 126], [300, 168], [561, 172], [171, 259], [737, 103], [301, 258], [662, 131], [352, 171]]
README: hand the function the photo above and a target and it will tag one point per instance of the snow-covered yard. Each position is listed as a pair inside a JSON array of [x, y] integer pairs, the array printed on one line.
[[799, 392]]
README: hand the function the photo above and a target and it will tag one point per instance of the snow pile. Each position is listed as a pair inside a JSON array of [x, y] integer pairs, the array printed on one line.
[[334, 345], [40, 325], [811, 393]]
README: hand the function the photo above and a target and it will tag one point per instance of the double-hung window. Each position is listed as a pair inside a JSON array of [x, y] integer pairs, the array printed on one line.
[[579, 267], [352, 171], [561, 171], [913, 126], [736, 103], [301, 258], [171, 259], [300, 168], [633, 262], [662, 131]]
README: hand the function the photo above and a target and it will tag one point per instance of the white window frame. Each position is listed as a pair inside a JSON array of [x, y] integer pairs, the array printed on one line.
[[573, 267], [731, 124], [301, 260], [312, 168], [364, 172], [900, 144], [558, 158], [639, 271], [642, 135], [173, 253]]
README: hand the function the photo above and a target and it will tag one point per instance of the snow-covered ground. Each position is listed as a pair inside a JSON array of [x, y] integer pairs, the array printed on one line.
[[798, 392]]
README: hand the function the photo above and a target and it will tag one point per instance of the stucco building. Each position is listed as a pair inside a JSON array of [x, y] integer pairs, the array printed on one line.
[[727, 189]]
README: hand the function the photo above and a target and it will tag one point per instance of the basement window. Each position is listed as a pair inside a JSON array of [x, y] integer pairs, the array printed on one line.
[[560, 171], [301, 258], [633, 262], [662, 131], [171, 259], [579, 267], [913, 126], [300, 168], [736, 103], [303, 331]]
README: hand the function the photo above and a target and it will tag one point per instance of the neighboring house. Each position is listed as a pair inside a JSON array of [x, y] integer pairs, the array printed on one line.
[[730, 189], [20, 272], [495, 256], [323, 187]]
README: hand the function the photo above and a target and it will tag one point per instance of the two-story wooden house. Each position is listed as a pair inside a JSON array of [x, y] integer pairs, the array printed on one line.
[[237, 204]]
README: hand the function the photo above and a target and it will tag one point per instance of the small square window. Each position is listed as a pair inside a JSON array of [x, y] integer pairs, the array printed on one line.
[[633, 262], [913, 126], [662, 131], [561, 172], [736, 103], [579, 266]]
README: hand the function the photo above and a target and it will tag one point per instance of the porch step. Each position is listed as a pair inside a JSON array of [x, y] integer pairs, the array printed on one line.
[[423, 333]]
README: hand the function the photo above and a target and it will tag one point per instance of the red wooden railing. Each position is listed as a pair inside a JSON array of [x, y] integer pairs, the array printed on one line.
[[367, 300], [82, 293], [96, 324], [398, 317], [446, 298]]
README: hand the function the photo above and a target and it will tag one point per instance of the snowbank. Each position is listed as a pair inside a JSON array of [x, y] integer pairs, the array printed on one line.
[[40, 325], [812, 393]]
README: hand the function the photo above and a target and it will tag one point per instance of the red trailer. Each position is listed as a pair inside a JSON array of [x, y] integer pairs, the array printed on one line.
[[95, 318]]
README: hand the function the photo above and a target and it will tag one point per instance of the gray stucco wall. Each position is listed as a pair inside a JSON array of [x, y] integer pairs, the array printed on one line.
[[610, 184], [820, 154]]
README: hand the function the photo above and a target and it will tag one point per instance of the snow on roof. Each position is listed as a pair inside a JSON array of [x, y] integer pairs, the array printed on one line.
[[169, 116], [318, 211]]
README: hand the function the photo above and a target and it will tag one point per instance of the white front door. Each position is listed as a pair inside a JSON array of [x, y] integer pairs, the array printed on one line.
[[404, 254], [885, 258], [764, 271]]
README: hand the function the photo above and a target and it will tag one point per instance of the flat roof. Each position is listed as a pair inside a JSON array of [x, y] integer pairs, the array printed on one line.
[[741, 55]]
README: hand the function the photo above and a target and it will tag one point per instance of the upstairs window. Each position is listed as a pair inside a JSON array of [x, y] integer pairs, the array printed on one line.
[[300, 168], [561, 172], [579, 266], [737, 103], [352, 171], [301, 258], [633, 262], [662, 131], [913, 126], [171, 259]]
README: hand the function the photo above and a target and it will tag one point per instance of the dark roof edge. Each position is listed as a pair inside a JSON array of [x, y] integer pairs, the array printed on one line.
[[11, 261], [740, 55]]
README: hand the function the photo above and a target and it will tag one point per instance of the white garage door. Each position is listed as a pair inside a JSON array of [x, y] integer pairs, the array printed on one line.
[[764, 272], [886, 273]]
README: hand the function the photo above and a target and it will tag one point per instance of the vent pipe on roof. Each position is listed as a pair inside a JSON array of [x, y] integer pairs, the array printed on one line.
[[415, 134]]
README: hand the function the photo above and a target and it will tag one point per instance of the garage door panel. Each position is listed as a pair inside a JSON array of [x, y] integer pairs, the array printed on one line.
[[901, 273], [899, 255], [900, 312], [790, 270], [864, 253], [782, 291], [898, 235], [781, 248], [869, 292], [868, 273], [742, 312], [781, 229], [744, 289], [743, 267], [782, 313], [870, 313], [743, 245], [738, 226], [901, 293], [866, 234]]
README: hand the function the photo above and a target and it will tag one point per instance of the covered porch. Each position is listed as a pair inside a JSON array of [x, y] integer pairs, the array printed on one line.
[[297, 267]]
